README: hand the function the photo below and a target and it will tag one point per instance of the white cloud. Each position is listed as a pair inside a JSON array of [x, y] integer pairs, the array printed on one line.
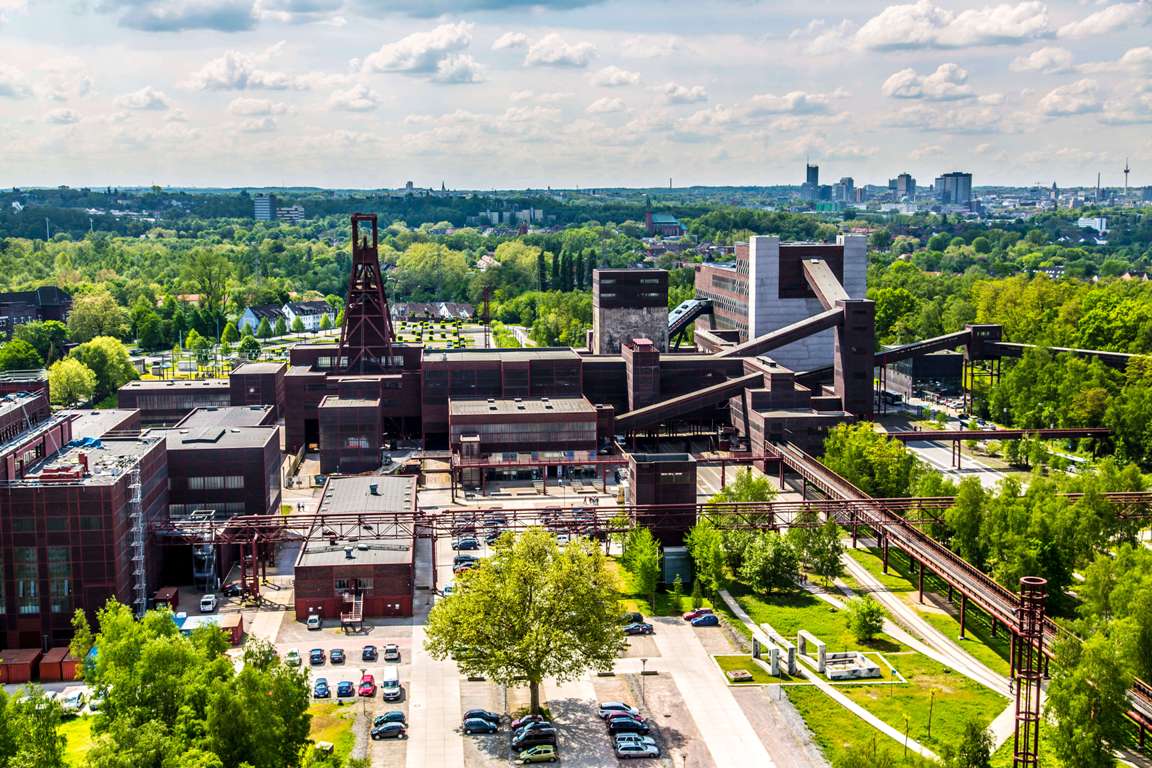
[[824, 38], [421, 52], [948, 83], [180, 15], [1132, 109], [13, 83], [458, 68], [64, 78], [1078, 98], [62, 117], [553, 51], [928, 150], [510, 40], [1111, 19], [358, 98], [7, 7], [793, 103], [300, 11], [674, 93], [147, 98], [1135, 60], [247, 107], [957, 120], [1048, 60], [236, 71], [550, 97], [925, 24], [650, 46], [613, 77], [258, 125], [606, 105]]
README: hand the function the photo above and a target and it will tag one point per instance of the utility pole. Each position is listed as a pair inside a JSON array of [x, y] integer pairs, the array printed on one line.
[[1127, 170]]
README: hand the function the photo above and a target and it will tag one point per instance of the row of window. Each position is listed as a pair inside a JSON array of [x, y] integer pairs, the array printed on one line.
[[222, 509], [165, 401], [216, 483]]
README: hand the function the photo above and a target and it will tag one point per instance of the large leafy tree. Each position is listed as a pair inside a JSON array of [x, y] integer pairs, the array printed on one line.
[[19, 355], [705, 544], [70, 382], [1087, 699], [29, 731], [770, 564], [531, 611], [642, 559], [108, 359], [97, 314], [48, 337]]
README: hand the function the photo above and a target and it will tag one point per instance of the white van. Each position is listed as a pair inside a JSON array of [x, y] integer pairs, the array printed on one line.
[[390, 688]]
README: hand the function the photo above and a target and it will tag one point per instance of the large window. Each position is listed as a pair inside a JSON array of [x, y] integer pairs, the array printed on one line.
[[348, 585], [60, 579], [27, 574], [215, 483]]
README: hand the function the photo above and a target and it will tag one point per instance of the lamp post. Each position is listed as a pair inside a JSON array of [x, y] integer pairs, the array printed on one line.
[[643, 670]]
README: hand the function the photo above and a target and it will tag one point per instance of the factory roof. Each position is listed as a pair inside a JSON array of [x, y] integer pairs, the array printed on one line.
[[518, 405], [370, 546], [353, 494], [227, 416], [165, 384], [97, 423], [108, 459], [257, 368], [19, 400], [333, 401], [500, 355], [202, 438]]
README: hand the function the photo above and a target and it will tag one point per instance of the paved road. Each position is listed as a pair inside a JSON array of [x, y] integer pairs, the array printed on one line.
[[434, 709], [939, 456], [723, 725]]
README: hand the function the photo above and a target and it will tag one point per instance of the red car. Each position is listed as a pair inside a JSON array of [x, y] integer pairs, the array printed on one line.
[[697, 613], [367, 686]]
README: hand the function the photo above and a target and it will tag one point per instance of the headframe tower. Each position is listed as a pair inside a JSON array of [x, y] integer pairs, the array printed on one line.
[[366, 336]]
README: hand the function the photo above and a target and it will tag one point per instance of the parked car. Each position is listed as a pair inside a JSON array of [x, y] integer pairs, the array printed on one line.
[[519, 723], [232, 589], [461, 559], [292, 658], [493, 536], [448, 589], [606, 708], [632, 617], [336, 656], [389, 731], [697, 613], [367, 687], [391, 716], [532, 738], [368, 653], [707, 620], [73, 700], [626, 715], [479, 725], [208, 604], [345, 689], [392, 652], [316, 657], [629, 750], [313, 622], [633, 738], [639, 628], [534, 727], [467, 543], [541, 753], [483, 714], [627, 725], [459, 568], [320, 688]]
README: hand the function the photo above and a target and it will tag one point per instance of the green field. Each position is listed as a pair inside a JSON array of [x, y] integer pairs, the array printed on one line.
[[760, 676], [333, 723], [631, 600], [77, 732], [838, 732]]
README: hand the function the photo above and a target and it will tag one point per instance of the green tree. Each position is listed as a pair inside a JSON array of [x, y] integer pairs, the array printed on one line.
[[70, 382], [873, 462], [325, 322], [298, 325], [770, 564], [97, 314], [865, 618], [530, 611], [19, 355], [208, 271], [746, 486], [48, 337], [108, 359], [281, 327], [705, 545], [249, 347], [1087, 699], [33, 722], [973, 748], [264, 330], [150, 333], [230, 335], [642, 557], [825, 552]]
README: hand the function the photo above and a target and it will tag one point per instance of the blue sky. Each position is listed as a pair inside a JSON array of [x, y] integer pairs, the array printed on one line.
[[513, 93]]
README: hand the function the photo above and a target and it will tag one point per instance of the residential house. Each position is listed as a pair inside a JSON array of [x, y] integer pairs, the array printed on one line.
[[311, 313], [253, 315]]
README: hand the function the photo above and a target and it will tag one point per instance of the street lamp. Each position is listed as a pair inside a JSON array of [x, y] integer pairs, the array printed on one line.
[[643, 670]]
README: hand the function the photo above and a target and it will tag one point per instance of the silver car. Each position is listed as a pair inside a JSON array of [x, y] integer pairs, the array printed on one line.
[[626, 750]]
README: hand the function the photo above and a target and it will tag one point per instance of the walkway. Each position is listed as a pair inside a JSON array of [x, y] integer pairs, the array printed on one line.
[[723, 725], [434, 710], [829, 690], [583, 742]]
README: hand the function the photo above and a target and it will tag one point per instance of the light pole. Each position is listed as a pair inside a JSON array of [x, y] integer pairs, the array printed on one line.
[[643, 670]]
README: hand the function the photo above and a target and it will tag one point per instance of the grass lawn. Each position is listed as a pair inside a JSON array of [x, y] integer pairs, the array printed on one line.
[[333, 723], [632, 600], [759, 674], [957, 700], [78, 733], [800, 610], [978, 642], [1002, 758], [839, 732]]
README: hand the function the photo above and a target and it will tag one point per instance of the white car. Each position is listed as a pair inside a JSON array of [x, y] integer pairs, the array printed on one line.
[[72, 699], [634, 738], [208, 604], [628, 749], [313, 621]]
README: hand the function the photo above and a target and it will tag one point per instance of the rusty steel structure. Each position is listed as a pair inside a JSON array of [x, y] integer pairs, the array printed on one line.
[[366, 336], [1029, 663]]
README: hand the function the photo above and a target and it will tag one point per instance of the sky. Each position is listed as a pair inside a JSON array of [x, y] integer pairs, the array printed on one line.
[[482, 94]]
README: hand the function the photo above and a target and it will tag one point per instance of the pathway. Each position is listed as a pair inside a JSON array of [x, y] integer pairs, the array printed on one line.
[[723, 725], [434, 710], [829, 690], [583, 741]]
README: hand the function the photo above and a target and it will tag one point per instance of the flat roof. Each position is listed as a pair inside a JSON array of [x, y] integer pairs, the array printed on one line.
[[335, 401], [108, 460], [18, 400], [226, 416], [501, 355], [97, 423], [165, 384], [653, 458], [520, 405], [258, 368], [207, 438], [395, 494]]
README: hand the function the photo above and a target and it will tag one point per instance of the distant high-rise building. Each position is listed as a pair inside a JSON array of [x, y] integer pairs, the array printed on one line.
[[844, 191], [954, 188], [293, 214], [903, 186], [812, 175], [264, 207]]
